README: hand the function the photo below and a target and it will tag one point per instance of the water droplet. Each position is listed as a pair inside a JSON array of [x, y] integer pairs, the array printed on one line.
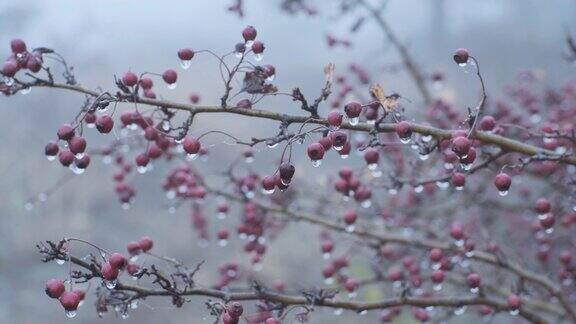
[[28, 206], [338, 148], [344, 156], [354, 121], [171, 194], [350, 228], [8, 81], [142, 169], [249, 43], [42, 197], [238, 54], [437, 287], [393, 191], [125, 206], [442, 184], [51, 157], [462, 64], [268, 192], [474, 290], [166, 125], [124, 315], [272, 144], [514, 312], [60, 261], [423, 156], [535, 118], [79, 155], [469, 254], [503, 193], [352, 295], [270, 78], [258, 57], [376, 173], [221, 216], [326, 256], [426, 138], [76, 169], [134, 258], [316, 163], [185, 64], [71, 314], [26, 91], [542, 216], [171, 210], [460, 310], [418, 188], [110, 284], [448, 166], [329, 281], [107, 159], [172, 86], [257, 267], [223, 243], [405, 140], [466, 166], [549, 230], [192, 157], [134, 304], [338, 311], [366, 204], [249, 160]]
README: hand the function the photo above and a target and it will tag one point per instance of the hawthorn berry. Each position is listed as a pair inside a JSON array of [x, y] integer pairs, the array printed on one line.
[[316, 152], [55, 288], [353, 110], [461, 56], [10, 68], [403, 131], [65, 132], [258, 47], [133, 248], [271, 320], [146, 83], [338, 139], [286, 171], [130, 79], [170, 76], [543, 206], [77, 145], [269, 183], [83, 162], [191, 145], [335, 119], [66, 157], [18, 46], [458, 180], [109, 272], [437, 276], [350, 217], [351, 284], [514, 302], [235, 309], [487, 123], [371, 156], [249, 33], [132, 269], [473, 280], [117, 260], [142, 160], [70, 301], [104, 124], [502, 181], [436, 255], [461, 145], [185, 54], [51, 149], [146, 243]]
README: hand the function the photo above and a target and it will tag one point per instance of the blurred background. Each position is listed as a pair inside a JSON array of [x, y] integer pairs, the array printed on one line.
[[103, 38]]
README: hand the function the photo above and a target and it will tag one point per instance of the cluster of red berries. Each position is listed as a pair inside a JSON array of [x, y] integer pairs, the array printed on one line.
[[20, 59], [70, 300], [349, 185]]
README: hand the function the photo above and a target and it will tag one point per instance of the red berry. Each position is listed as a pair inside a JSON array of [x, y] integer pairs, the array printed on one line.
[[249, 33], [461, 56], [142, 160], [315, 151], [227, 319], [55, 288], [117, 260], [258, 47], [338, 139], [403, 129], [543, 206], [286, 171], [77, 145], [70, 301], [132, 269], [457, 231], [353, 109], [514, 302], [335, 118], [473, 280], [191, 145], [133, 248], [271, 320], [104, 124], [326, 142], [461, 145], [350, 217], [130, 79], [371, 156], [66, 157], [170, 76], [51, 149], [65, 132], [18, 46], [502, 181], [458, 180], [10, 68], [83, 162], [146, 83], [436, 255], [185, 54], [235, 309], [351, 284], [146, 243], [437, 276], [487, 123], [109, 272], [268, 183]]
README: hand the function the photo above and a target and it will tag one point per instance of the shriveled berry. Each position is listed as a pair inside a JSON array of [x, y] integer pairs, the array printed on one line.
[[244, 104]]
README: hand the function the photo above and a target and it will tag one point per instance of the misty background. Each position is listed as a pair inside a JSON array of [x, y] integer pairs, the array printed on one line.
[[103, 38]]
